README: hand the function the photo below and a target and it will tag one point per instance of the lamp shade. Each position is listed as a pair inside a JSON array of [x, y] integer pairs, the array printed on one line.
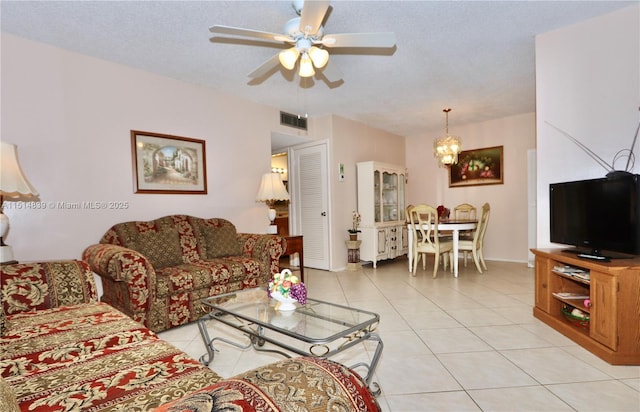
[[319, 57], [306, 66], [271, 189], [289, 57], [14, 185]]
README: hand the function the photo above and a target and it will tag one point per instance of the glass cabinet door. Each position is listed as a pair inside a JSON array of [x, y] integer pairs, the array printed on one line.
[[377, 213], [389, 197], [401, 205]]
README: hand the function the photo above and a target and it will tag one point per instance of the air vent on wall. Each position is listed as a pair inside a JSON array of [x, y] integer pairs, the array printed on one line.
[[293, 120]]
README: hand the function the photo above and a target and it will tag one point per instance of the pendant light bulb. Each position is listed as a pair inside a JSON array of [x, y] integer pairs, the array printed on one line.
[[306, 67], [288, 58], [319, 56]]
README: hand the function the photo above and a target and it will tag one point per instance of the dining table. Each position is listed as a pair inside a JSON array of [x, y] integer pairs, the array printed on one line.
[[453, 225]]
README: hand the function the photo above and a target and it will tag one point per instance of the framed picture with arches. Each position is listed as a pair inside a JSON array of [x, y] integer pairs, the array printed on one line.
[[168, 164]]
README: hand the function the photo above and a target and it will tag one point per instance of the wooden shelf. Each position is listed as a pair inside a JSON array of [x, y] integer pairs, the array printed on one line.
[[612, 332]]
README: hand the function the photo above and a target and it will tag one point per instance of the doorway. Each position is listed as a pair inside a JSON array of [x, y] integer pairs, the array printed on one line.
[[309, 216]]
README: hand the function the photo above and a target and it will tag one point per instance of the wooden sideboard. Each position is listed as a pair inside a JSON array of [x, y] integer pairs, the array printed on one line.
[[294, 245], [613, 306]]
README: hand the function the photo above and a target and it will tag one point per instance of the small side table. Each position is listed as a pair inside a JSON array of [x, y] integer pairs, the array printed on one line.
[[353, 258], [294, 245]]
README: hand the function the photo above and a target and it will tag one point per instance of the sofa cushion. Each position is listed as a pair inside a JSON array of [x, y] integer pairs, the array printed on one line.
[[299, 384], [162, 248], [3, 321], [45, 285], [93, 357], [8, 402], [205, 275], [218, 238]]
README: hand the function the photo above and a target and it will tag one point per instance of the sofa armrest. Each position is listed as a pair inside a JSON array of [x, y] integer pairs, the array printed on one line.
[[45, 285], [287, 385], [128, 278], [265, 248]]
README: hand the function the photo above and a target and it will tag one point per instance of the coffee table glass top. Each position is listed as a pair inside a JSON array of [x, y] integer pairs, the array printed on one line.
[[315, 322]]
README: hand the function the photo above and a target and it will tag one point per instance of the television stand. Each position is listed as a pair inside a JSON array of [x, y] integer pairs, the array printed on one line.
[[607, 292]]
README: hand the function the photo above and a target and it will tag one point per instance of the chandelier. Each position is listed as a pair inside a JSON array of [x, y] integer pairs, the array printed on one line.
[[447, 148]]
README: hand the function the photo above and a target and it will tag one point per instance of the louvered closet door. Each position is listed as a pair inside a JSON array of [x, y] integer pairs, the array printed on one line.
[[311, 202]]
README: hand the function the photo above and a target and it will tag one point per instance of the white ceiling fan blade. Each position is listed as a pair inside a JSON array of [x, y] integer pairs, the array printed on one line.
[[237, 31], [313, 13], [265, 67], [383, 39]]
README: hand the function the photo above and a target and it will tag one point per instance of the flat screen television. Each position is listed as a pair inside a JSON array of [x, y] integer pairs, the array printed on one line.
[[597, 216]]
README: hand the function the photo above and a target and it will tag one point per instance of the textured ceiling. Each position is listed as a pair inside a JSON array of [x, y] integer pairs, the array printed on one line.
[[476, 57]]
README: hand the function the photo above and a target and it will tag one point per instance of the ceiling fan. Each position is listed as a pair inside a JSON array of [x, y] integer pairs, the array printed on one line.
[[306, 34]]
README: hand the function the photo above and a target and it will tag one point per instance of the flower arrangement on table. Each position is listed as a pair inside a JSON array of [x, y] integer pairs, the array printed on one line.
[[355, 220], [286, 288], [443, 212]]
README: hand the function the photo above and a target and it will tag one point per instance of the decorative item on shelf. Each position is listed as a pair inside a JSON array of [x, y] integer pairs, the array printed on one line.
[[446, 148], [287, 289], [355, 220], [443, 212], [576, 316], [271, 190], [14, 187]]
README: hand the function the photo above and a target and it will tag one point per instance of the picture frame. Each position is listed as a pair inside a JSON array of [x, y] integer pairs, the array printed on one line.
[[478, 167], [167, 164]]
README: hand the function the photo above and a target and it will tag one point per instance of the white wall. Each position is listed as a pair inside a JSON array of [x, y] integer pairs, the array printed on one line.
[[587, 84], [506, 237], [71, 115]]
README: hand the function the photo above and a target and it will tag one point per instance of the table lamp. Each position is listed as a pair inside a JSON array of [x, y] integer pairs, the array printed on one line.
[[14, 187], [271, 190]]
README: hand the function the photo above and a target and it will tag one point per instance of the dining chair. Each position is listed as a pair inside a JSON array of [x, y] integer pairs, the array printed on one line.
[[465, 211], [424, 225], [475, 245]]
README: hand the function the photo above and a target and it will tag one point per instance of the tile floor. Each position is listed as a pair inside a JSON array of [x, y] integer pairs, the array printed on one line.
[[456, 344]]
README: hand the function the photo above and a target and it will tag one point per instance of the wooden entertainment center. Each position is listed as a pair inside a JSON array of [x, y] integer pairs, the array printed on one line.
[[607, 292]]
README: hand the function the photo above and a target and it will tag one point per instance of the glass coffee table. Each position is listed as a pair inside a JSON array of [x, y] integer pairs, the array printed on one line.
[[318, 328]]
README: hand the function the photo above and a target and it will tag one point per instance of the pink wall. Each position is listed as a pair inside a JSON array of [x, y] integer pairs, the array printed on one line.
[[70, 116], [506, 237]]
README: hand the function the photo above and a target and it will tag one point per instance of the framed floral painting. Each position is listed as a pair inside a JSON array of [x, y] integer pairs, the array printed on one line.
[[478, 167], [168, 164]]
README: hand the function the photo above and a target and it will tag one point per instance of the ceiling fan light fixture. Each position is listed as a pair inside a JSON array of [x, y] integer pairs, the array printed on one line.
[[306, 66], [319, 56], [288, 58]]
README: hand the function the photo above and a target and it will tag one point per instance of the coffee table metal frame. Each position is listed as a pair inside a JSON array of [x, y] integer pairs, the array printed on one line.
[[345, 333]]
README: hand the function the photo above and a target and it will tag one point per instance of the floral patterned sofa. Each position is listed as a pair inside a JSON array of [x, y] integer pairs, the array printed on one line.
[[157, 272], [62, 350]]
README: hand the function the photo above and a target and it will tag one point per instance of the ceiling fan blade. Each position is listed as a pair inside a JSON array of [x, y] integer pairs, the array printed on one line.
[[313, 13], [265, 67], [237, 31], [383, 39]]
